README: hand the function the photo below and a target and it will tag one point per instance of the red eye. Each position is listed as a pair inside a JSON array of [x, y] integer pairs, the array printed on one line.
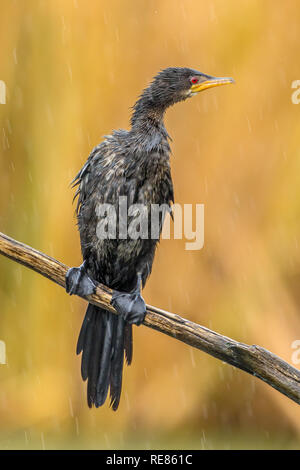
[[194, 80]]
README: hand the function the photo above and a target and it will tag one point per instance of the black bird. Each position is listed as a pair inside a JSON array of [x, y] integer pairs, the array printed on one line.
[[131, 166]]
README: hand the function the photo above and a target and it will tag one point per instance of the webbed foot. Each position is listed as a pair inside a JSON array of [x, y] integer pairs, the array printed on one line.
[[130, 305], [78, 282]]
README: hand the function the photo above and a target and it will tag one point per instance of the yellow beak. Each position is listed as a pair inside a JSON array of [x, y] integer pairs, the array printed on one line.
[[210, 83]]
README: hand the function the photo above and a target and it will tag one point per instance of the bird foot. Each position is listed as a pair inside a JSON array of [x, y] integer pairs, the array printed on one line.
[[130, 305], [78, 282]]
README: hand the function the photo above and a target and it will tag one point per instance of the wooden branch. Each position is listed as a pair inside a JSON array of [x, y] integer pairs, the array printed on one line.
[[255, 360]]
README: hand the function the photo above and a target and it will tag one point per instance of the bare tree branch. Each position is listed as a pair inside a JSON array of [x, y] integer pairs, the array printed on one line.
[[253, 359]]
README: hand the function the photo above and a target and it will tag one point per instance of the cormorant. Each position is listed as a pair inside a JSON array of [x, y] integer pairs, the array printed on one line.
[[133, 164]]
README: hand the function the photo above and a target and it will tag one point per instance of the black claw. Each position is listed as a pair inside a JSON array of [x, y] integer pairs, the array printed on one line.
[[79, 283], [130, 305]]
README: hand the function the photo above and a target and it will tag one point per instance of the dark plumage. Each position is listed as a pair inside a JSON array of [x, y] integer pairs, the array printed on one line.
[[134, 164]]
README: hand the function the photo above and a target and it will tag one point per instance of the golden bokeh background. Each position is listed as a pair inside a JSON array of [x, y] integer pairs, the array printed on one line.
[[73, 69]]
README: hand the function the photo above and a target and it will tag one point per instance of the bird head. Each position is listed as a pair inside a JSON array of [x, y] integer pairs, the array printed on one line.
[[170, 86], [176, 84]]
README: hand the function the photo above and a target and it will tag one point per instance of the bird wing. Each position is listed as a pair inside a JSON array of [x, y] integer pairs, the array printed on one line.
[[112, 171]]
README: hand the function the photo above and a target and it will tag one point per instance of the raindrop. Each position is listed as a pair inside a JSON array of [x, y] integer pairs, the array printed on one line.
[[249, 125], [204, 412], [192, 357], [212, 13], [77, 426], [71, 407], [70, 72], [8, 125], [107, 441], [15, 56], [43, 441]]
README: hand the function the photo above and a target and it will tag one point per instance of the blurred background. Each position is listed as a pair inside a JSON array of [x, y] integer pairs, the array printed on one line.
[[72, 70]]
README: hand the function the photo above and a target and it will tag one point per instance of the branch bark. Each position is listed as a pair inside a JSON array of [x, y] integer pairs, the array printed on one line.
[[254, 360]]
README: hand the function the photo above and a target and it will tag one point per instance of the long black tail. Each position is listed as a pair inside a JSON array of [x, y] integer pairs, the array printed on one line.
[[103, 339]]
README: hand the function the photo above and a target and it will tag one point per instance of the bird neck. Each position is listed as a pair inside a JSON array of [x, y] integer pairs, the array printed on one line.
[[146, 113], [147, 122]]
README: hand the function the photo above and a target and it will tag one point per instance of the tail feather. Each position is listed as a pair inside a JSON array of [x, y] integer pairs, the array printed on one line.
[[87, 319], [128, 343], [103, 339], [93, 372], [87, 349], [117, 364], [106, 357]]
